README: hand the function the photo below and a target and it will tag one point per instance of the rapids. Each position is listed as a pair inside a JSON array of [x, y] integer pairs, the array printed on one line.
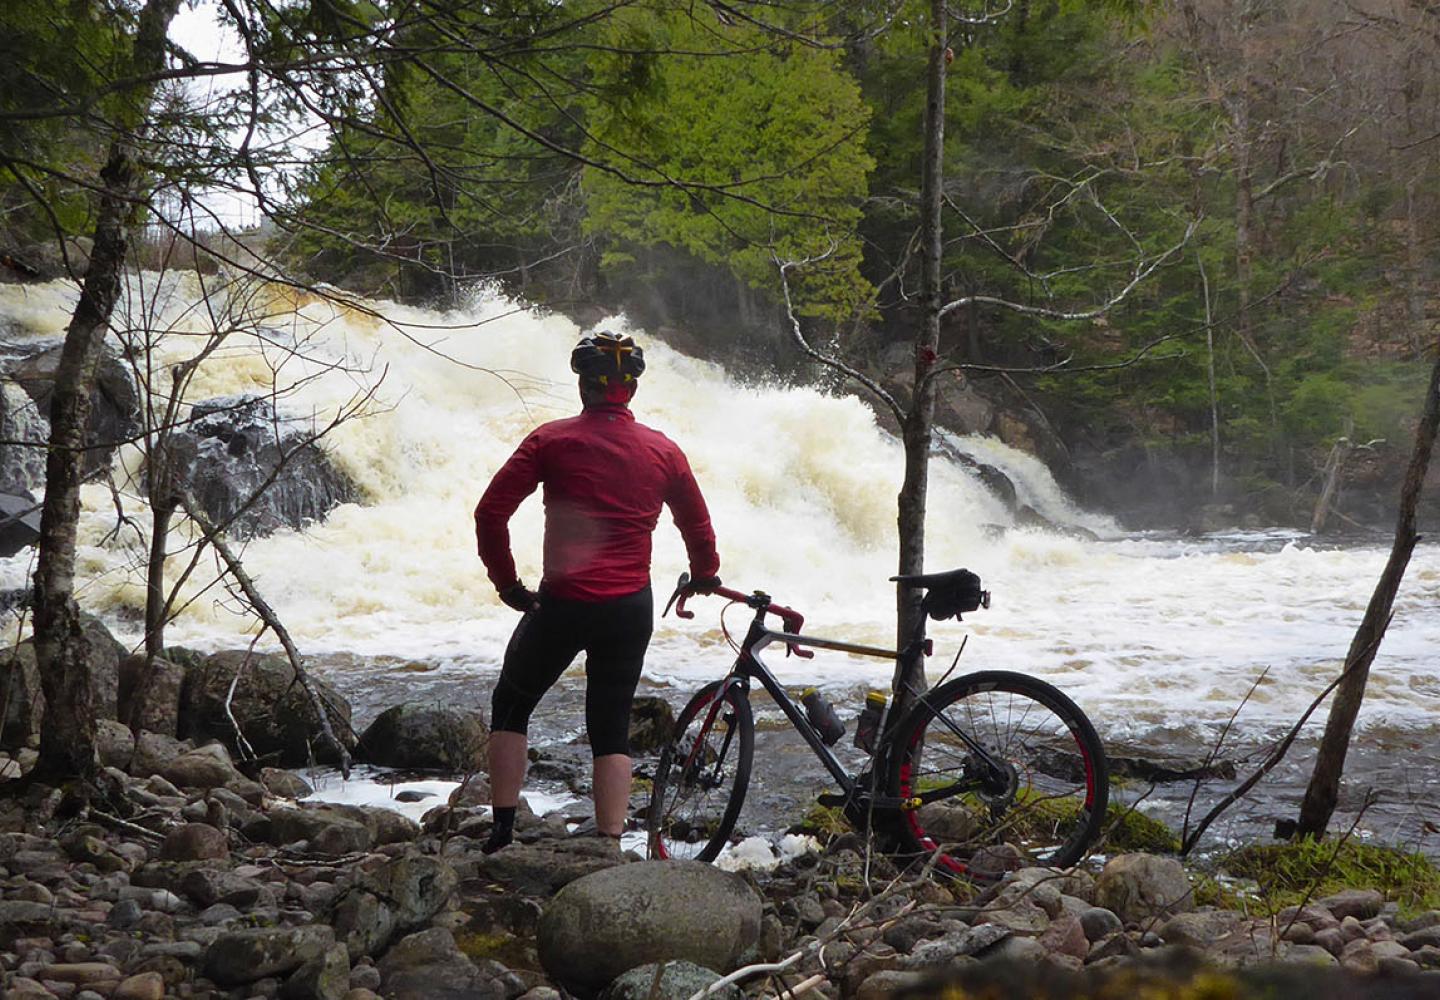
[[1159, 638]]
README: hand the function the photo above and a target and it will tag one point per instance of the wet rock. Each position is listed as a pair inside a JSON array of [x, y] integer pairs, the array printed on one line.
[[667, 981], [284, 784], [22, 468], [398, 897], [19, 527], [195, 842], [235, 446], [271, 709], [651, 720], [149, 693], [244, 956], [1138, 887], [207, 886], [613, 920], [114, 402], [422, 735], [328, 829]]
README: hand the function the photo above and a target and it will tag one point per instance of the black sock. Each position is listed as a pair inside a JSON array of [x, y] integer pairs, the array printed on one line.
[[503, 831]]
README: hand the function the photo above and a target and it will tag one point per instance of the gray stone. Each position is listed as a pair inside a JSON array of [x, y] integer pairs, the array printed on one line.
[[666, 981], [942, 952], [208, 886], [1426, 936], [398, 897], [424, 735], [428, 966], [608, 922], [1201, 930], [244, 956], [195, 842], [1139, 887], [543, 868], [1017, 949], [329, 829], [284, 784], [273, 711], [149, 693], [25, 708], [888, 983], [1362, 904], [124, 914], [206, 767], [323, 978], [1098, 922]]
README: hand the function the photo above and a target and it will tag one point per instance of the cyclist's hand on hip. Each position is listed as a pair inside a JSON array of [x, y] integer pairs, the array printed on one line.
[[521, 598], [705, 585]]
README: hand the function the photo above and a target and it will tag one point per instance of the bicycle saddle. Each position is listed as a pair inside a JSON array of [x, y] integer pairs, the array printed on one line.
[[950, 593]]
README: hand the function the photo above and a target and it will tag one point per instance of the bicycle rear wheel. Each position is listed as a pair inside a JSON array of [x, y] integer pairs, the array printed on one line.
[[1006, 771], [702, 776]]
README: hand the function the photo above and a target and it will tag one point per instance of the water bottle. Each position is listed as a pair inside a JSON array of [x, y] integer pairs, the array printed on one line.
[[822, 716], [867, 726]]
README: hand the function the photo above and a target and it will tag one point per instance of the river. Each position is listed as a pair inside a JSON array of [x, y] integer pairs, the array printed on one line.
[[1159, 638]]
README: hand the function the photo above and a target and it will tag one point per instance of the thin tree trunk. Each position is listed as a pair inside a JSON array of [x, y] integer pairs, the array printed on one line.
[[1210, 373], [1324, 788], [909, 671], [67, 739]]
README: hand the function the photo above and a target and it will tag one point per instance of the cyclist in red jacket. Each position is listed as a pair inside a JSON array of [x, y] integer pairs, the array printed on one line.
[[605, 477]]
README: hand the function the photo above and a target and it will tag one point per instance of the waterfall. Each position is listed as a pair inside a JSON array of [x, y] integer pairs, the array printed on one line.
[[1145, 633]]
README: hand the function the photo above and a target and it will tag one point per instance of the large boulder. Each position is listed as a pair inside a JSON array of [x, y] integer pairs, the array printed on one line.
[[1137, 887], [24, 707], [114, 402], [150, 690], [235, 447], [544, 867], [398, 897], [609, 922], [205, 767], [22, 468], [423, 735], [25, 711], [269, 705], [19, 524], [430, 966]]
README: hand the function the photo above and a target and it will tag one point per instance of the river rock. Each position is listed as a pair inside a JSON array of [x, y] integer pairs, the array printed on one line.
[[25, 707], [270, 707], [1139, 887], [194, 842], [398, 897], [429, 966], [608, 922], [1201, 930], [204, 767], [324, 978], [667, 981], [1362, 904], [651, 720], [244, 956], [145, 986], [158, 711], [423, 735], [22, 468], [114, 402], [234, 447], [284, 784], [545, 867]]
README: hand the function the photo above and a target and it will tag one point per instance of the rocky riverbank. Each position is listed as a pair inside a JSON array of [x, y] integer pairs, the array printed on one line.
[[206, 884]]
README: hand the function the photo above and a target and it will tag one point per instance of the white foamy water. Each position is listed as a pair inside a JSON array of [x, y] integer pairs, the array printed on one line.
[[1147, 634]]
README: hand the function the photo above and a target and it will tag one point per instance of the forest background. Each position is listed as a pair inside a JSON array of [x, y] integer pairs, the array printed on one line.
[[1268, 166]]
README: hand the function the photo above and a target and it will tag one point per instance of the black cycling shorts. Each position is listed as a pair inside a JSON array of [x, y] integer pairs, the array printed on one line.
[[614, 635]]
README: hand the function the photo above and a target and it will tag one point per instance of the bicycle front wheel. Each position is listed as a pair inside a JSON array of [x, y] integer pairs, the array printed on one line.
[[1002, 771], [702, 776]]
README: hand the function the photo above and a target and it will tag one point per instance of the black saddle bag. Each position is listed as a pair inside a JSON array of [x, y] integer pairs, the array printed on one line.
[[958, 593]]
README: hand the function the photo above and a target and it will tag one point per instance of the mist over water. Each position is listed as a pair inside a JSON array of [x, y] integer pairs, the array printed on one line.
[[1156, 637]]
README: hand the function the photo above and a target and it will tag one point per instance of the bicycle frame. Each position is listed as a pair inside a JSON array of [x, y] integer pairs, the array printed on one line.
[[749, 665]]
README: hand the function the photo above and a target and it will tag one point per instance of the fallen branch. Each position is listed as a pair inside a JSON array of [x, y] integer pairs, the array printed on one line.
[[271, 620]]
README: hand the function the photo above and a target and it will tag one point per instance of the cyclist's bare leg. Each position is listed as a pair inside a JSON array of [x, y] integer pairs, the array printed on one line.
[[507, 767], [612, 793]]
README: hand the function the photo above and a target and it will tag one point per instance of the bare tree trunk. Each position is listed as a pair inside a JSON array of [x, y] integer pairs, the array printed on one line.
[[67, 739], [1324, 788], [909, 672], [1214, 396], [1334, 467]]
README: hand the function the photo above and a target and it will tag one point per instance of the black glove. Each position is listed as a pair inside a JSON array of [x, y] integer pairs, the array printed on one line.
[[520, 597], [705, 586]]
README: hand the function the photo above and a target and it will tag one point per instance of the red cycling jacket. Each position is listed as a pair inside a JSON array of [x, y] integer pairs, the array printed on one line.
[[605, 477]]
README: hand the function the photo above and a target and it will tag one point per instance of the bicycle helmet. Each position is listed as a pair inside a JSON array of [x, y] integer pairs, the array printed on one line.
[[604, 355]]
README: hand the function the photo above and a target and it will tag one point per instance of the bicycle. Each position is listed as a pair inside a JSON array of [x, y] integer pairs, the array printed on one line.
[[984, 773]]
